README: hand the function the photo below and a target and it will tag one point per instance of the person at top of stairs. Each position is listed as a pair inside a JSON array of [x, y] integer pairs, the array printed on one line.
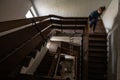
[[94, 16]]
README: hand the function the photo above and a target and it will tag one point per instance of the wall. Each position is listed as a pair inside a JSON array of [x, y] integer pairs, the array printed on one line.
[[76, 8], [117, 42], [13, 9], [114, 48], [110, 14]]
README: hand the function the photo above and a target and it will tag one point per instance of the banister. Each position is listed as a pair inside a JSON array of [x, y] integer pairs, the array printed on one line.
[[56, 16], [7, 25], [44, 26], [18, 54]]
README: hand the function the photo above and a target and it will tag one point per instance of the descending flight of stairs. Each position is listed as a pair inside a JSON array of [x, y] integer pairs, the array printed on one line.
[[97, 57], [44, 66]]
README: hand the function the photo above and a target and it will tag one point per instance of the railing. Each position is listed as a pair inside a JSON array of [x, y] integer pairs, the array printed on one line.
[[84, 54], [18, 38]]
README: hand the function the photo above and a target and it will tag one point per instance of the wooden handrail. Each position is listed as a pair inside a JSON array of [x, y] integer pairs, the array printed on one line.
[[56, 16], [7, 25], [69, 22], [21, 42]]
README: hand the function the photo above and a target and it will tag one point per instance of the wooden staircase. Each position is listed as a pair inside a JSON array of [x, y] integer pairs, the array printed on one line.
[[44, 66], [19, 45], [97, 57]]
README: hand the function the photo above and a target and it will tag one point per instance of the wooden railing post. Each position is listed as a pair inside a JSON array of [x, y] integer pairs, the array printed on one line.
[[85, 53]]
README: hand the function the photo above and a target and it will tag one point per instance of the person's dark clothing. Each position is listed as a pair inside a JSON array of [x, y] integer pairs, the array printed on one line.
[[93, 18]]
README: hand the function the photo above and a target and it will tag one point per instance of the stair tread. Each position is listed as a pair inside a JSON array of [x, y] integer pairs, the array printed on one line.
[[97, 57], [102, 56], [94, 77], [97, 49], [103, 34], [96, 61], [97, 71], [97, 44], [97, 39]]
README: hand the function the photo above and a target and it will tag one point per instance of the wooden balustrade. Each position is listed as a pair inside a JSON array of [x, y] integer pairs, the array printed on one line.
[[16, 56], [7, 25], [18, 38], [70, 22], [10, 42]]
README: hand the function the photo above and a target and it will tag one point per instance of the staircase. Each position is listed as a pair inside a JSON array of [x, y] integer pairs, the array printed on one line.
[[97, 57], [44, 66], [18, 46]]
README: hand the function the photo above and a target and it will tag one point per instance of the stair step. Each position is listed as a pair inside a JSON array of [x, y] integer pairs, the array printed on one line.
[[97, 50], [93, 61], [92, 68], [97, 65], [98, 44], [97, 61], [97, 76], [98, 35], [97, 71], [97, 55], [97, 58], [44, 66], [97, 39]]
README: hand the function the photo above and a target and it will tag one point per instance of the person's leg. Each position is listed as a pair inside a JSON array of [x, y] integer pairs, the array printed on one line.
[[91, 24]]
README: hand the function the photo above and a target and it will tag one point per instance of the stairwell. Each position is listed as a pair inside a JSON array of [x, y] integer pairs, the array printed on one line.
[[96, 68], [97, 57]]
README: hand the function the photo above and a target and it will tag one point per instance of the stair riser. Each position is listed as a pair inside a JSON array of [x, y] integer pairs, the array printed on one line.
[[98, 36], [97, 47], [97, 42], [97, 57], [97, 54]]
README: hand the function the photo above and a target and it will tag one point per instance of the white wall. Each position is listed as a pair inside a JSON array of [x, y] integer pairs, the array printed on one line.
[[110, 14], [114, 43], [76, 8], [13, 9]]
